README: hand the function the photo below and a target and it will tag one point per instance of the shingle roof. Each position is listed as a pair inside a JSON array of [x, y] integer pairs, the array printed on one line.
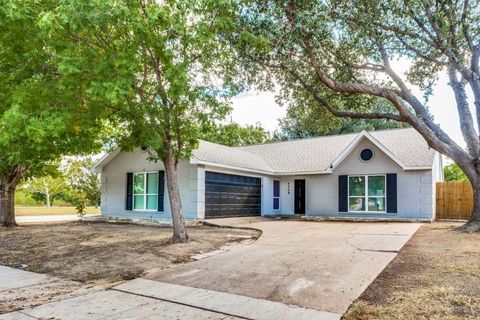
[[408, 145], [219, 154], [307, 155], [316, 154]]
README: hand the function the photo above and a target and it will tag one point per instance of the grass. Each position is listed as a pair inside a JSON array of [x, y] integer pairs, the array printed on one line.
[[41, 211], [436, 275]]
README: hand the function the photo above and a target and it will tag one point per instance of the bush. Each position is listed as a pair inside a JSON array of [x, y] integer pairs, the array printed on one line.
[[80, 203], [24, 198]]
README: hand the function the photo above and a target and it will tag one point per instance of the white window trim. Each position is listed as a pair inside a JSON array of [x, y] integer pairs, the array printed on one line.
[[366, 196], [145, 194], [273, 194]]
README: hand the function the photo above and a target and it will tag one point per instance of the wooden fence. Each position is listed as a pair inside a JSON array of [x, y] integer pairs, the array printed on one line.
[[454, 200]]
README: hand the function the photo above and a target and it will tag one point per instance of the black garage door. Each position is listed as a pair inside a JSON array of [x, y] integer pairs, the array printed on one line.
[[228, 195]]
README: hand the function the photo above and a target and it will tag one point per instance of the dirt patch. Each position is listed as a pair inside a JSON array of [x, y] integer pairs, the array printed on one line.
[[84, 251], [436, 275], [98, 254]]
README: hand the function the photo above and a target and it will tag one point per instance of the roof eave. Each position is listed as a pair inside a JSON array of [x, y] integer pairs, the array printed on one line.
[[105, 159], [418, 168], [195, 160]]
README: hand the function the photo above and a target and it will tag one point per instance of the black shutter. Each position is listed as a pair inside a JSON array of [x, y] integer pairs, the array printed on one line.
[[392, 193], [342, 193], [161, 190], [129, 202]]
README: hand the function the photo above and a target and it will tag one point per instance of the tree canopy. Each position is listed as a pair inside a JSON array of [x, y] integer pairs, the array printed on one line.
[[341, 56], [44, 112], [233, 134], [452, 172], [304, 121], [163, 66]]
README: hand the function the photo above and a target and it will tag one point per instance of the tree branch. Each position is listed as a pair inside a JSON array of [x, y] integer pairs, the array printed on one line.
[[407, 95], [337, 113], [466, 120], [465, 28], [419, 52], [381, 92]]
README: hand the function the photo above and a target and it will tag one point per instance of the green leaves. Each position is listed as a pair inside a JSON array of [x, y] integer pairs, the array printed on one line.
[[44, 110], [160, 65], [234, 135], [452, 172]]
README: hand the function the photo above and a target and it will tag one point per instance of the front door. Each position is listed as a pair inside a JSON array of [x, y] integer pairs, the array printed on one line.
[[299, 196]]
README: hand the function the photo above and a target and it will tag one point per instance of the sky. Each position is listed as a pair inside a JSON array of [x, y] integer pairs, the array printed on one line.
[[260, 107]]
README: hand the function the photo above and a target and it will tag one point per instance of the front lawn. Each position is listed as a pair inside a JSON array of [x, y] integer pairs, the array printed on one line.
[[41, 211], [436, 275], [99, 253]]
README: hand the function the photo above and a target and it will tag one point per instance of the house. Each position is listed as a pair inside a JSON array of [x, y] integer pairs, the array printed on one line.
[[379, 174]]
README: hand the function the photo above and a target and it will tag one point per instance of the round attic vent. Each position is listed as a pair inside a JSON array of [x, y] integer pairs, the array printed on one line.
[[366, 154]]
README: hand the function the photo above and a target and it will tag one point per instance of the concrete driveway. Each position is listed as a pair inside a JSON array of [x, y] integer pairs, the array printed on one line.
[[318, 265]]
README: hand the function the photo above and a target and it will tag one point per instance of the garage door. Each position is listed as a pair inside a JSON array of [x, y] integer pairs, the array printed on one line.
[[228, 195]]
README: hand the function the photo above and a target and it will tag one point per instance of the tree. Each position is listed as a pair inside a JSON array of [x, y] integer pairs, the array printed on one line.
[[341, 56], [44, 114], [234, 135], [163, 64], [83, 182], [452, 172], [46, 188], [304, 121]]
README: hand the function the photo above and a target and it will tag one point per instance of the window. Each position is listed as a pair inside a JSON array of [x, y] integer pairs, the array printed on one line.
[[366, 154], [366, 193], [276, 194], [145, 191]]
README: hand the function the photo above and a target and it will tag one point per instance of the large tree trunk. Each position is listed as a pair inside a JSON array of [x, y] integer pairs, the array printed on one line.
[[472, 171], [473, 224], [8, 185], [179, 229], [7, 205]]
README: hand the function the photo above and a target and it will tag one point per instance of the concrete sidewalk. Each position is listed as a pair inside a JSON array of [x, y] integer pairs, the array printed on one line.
[[11, 278], [145, 299], [222, 302], [113, 305], [22, 289]]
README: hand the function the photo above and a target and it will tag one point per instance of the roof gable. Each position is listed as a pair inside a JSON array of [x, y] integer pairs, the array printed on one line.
[[355, 142]]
